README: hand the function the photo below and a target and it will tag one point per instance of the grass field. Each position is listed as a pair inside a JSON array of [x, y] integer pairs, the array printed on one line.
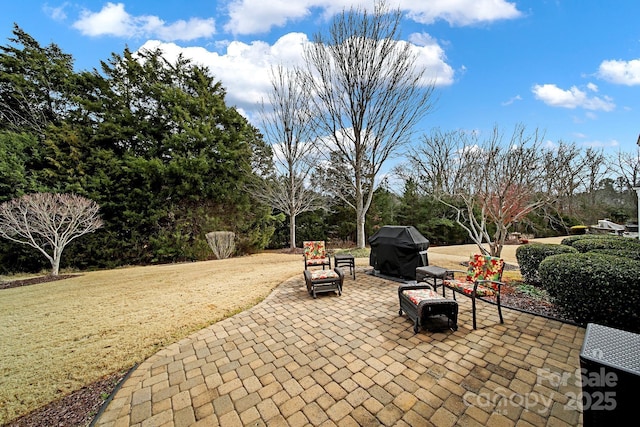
[[58, 336]]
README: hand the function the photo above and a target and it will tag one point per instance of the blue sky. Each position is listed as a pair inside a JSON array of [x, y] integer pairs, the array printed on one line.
[[570, 68]]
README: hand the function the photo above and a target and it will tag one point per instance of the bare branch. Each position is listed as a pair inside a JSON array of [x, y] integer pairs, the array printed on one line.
[[489, 182], [368, 94], [287, 126], [222, 243], [48, 222]]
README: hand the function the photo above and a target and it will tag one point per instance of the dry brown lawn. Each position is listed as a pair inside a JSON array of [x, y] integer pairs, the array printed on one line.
[[58, 336]]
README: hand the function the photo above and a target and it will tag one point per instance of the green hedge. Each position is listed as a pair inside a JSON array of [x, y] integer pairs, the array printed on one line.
[[619, 243], [578, 229], [631, 253], [530, 256], [569, 240], [595, 287], [599, 239]]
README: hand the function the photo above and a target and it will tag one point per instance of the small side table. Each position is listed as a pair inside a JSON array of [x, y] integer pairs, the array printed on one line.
[[434, 272], [346, 260]]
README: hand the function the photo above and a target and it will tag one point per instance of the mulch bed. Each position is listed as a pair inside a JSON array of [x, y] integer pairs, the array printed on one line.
[[74, 410], [34, 281], [511, 297]]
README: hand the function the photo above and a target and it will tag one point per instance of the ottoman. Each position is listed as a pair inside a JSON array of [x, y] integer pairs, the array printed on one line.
[[421, 301], [318, 281]]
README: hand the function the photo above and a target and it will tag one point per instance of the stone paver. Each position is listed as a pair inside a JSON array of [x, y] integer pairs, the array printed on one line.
[[352, 360]]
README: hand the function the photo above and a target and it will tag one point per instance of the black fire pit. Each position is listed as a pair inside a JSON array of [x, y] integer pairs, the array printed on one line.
[[398, 250]]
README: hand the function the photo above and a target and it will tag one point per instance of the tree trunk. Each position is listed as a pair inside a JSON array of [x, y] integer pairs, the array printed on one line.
[[360, 230], [55, 265], [499, 238], [292, 232]]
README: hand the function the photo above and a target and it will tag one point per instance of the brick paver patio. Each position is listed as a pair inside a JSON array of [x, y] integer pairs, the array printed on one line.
[[351, 360]]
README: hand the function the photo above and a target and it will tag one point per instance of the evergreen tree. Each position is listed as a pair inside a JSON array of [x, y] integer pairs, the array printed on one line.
[[152, 141], [35, 83], [174, 156]]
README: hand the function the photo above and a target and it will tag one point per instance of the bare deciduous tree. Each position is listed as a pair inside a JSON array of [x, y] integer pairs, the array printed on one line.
[[287, 125], [572, 171], [484, 182], [565, 179], [48, 222], [628, 168], [368, 94]]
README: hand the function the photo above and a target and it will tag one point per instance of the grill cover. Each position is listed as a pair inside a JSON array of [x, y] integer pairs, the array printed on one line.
[[397, 251]]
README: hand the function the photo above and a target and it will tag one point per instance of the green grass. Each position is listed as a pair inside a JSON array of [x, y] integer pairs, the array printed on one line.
[[357, 253]]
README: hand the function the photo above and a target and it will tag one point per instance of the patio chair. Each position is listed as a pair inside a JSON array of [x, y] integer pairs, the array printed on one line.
[[482, 280], [315, 254]]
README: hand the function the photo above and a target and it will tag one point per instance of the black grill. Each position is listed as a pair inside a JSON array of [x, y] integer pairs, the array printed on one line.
[[398, 250]]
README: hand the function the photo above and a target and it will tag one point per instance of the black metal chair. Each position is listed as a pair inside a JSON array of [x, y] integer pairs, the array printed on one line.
[[482, 280]]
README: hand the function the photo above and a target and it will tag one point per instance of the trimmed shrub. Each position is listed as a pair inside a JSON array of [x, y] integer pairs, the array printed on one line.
[[631, 253], [612, 242], [599, 239], [578, 229], [531, 255], [222, 243], [571, 239], [594, 287]]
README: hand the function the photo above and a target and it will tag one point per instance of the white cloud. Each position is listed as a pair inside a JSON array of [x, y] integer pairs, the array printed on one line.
[[244, 68], [602, 144], [113, 20], [259, 16], [460, 12], [620, 72], [56, 13], [572, 98], [432, 58], [553, 146], [512, 100]]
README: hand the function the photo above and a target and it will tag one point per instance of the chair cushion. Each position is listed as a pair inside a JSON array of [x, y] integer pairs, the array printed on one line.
[[493, 268], [467, 288], [314, 249], [323, 274], [484, 267], [416, 296], [476, 268], [317, 261]]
